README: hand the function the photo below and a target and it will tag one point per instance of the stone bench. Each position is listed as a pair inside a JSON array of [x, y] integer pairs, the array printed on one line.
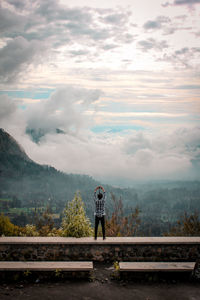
[[156, 271], [156, 266], [15, 270], [46, 265]]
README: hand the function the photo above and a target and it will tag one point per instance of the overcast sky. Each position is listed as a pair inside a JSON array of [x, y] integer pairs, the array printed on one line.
[[120, 78]]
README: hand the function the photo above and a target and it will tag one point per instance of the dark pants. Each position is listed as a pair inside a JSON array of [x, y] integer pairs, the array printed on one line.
[[102, 220]]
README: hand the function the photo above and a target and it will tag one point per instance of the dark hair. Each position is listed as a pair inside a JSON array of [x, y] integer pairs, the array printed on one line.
[[99, 196]]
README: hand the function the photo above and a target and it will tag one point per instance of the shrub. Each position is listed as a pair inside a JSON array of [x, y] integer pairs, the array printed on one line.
[[29, 230], [7, 228]]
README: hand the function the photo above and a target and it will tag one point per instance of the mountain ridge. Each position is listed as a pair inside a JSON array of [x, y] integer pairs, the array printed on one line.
[[23, 178], [10, 146]]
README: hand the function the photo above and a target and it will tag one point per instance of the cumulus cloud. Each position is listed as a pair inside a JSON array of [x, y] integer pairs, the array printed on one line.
[[11, 118], [161, 23], [157, 23], [55, 20], [187, 2], [29, 27], [21, 4], [10, 21], [63, 110], [7, 107], [146, 45], [78, 52], [116, 18], [181, 2], [184, 57], [16, 56]]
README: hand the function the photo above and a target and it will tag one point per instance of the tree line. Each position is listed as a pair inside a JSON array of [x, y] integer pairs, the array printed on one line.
[[75, 222]]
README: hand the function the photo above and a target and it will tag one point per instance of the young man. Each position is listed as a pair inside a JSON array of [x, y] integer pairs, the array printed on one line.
[[99, 200]]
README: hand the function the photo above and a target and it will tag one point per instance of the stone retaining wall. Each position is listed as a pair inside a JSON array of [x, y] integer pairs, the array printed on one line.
[[112, 249]]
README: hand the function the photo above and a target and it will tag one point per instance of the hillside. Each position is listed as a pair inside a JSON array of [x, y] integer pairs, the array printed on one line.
[[38, 185]]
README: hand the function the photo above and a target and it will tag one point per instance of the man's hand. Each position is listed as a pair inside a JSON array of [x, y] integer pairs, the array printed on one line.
[[99, 187]]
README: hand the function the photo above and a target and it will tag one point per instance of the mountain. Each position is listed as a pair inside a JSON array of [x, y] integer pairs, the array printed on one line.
[[38, 185], [9, 146], [37, 134]]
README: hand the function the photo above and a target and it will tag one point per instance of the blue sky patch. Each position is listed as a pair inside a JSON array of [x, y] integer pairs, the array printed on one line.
[[116, 129], [37, 94]]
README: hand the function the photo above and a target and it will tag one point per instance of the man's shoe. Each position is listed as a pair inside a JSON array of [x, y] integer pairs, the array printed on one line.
[[95, 238], [104, 238]]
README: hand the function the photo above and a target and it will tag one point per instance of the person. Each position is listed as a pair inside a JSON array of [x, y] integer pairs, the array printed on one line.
[[99, 200]]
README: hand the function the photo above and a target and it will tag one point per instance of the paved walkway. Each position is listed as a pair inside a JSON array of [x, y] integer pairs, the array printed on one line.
[[99, 290]]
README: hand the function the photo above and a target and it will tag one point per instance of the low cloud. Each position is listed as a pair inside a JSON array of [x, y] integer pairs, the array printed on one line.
[[106, 156], [139, 157]]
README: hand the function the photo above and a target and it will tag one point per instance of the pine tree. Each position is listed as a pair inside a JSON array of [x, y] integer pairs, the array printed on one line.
[[75, 222]]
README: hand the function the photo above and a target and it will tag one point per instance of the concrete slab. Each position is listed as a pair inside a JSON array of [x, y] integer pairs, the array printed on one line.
[[108, 240], [46, 265], [157, 266]]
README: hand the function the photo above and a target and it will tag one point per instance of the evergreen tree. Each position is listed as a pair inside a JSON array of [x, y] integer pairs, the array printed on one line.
[[75, 222]]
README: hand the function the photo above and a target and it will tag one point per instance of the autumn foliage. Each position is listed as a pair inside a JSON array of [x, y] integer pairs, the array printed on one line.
[[188, 225], [119, 224]]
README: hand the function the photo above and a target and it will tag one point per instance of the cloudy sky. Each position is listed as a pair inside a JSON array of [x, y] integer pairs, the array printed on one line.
[[120, 79]]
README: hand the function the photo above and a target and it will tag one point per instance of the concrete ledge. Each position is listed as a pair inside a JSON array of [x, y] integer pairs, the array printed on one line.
[[160, 249], [46, 266], [156, 266], [108, 241]]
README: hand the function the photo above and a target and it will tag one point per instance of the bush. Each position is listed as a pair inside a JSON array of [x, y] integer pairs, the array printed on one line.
[[29, 230], [7, 228]]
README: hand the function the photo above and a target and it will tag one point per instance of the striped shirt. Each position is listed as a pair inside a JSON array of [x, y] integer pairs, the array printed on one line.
[[99, 205]]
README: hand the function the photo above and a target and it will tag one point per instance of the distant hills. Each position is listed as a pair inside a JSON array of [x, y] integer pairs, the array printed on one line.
[[38, 185]]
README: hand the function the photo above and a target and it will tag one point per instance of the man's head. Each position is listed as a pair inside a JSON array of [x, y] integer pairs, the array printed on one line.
[[100, 196]]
